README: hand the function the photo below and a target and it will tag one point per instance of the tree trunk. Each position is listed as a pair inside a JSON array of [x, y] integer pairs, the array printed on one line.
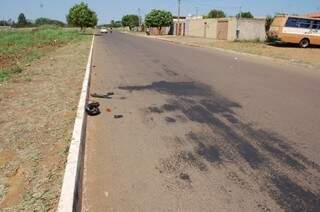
[[160, 32]]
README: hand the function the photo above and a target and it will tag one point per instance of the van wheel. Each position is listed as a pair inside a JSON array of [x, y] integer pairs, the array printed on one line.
[[304, 43]]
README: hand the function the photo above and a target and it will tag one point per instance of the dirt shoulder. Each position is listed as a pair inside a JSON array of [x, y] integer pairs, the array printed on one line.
[[288, 53], [38, 107]]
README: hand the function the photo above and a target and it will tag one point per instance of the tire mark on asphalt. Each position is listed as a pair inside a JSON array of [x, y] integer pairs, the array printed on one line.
[[264, 153]]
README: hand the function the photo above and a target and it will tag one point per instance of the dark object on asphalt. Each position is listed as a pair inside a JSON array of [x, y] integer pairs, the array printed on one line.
[[110, 93], [106, 96], [92, 108], [118, 116]]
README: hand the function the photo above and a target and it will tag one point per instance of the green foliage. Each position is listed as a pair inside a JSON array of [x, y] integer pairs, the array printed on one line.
[[115, 24], [245, 15], [80, 15], [216, 14], [159, 18], [269, 21], [47, 21], [22, 21], [130, 21]]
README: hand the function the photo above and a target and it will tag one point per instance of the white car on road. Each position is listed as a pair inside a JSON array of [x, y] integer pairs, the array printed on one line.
[[104, 30]]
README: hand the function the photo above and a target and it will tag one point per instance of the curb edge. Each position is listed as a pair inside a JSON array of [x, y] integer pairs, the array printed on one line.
[[69, 195]]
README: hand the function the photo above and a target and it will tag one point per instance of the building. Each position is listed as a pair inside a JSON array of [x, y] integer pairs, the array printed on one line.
[[227, 28], [176, 30], [313, 15]]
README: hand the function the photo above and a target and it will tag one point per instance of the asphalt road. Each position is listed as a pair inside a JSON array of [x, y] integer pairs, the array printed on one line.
[[202, 130]]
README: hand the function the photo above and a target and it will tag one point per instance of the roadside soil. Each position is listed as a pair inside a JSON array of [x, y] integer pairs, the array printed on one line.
[[289, 53], [38, 108]]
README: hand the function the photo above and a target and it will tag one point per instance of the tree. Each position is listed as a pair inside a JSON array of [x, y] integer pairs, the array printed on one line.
[[245, 15], [159, 19], [80, 15], [130, 21], [216, 14], [269, 20], [22, 21]]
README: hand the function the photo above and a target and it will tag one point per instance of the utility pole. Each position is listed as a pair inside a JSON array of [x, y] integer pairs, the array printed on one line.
[[139, 13], [179, 5], [197, 8], [238, 24]]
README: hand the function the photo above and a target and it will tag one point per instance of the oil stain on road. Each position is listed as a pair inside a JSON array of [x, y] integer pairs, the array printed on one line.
[[265, 153]]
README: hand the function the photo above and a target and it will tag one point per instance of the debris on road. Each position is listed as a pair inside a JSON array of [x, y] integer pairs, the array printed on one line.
[[106, 96], [92, 108], [118, 116]]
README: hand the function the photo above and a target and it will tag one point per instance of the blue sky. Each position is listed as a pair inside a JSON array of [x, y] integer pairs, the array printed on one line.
[[108, 9]]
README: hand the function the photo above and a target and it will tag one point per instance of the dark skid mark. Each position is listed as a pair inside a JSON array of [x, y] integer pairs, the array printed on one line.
[[275, 145], [191, 160], [155, 110], [168, 107], [210, 153], [293, 197], [231, 118], [282, 156], [173, 88], [237, 141], [245, 148], [170, 120], [219, 105]]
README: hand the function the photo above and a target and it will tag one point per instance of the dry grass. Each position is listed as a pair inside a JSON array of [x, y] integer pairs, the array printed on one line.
[[38, 107]]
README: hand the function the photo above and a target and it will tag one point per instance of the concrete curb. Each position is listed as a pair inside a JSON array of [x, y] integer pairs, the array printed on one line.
[[70, 194]]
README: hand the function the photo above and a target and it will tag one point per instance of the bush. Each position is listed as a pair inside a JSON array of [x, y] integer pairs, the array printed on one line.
[[47, 21]]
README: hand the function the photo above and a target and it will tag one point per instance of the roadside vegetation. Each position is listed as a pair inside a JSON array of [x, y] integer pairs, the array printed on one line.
[[19, 47], [42, 65]]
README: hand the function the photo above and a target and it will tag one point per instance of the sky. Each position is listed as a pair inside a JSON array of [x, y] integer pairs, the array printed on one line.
[[108, 10]]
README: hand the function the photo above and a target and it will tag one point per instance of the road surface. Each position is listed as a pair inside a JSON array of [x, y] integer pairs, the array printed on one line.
[[202, 130]]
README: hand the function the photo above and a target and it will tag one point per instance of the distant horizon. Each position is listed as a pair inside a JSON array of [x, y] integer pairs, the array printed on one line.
[[108, 10]]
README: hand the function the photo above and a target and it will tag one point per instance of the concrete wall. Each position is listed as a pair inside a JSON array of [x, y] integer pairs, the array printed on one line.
[[252, 29], [198, 28], [232, 29], [156, 31]]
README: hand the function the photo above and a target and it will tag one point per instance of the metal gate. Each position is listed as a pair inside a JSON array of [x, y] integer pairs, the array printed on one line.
[[222, 30]]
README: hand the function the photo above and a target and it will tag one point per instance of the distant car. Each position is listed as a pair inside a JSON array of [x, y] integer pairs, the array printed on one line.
[[104, 30]]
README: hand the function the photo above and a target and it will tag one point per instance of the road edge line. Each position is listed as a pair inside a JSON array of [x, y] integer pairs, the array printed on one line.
[[69, 195]]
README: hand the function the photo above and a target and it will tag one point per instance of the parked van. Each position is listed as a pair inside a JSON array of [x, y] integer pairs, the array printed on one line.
[[293, 29]]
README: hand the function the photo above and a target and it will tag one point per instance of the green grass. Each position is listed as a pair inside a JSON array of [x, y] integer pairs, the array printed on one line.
[[21, 46], [6, 72]]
